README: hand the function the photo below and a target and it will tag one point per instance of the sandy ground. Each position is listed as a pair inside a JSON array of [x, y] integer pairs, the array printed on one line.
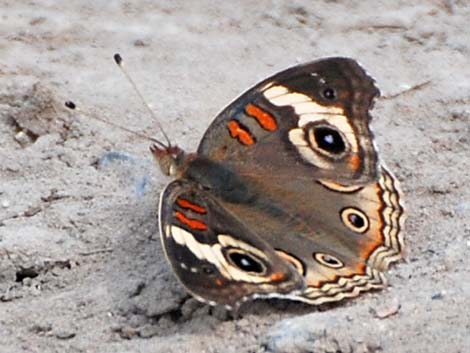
[[81, 267]]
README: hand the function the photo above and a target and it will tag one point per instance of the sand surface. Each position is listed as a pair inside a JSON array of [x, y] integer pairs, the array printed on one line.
[[81, 266]]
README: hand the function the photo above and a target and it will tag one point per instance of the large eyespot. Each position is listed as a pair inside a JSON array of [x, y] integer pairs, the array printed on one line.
[[355, 219], [327, 260], [329, 93], [327, 139], [246, 262]]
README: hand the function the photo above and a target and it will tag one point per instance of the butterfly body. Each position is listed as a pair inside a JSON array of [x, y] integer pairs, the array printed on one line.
[[285, 196]]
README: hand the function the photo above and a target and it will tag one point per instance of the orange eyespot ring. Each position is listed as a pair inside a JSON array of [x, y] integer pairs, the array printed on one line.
[[327, 260], [355, 219]]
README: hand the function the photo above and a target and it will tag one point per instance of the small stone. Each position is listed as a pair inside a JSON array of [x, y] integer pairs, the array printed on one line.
[[64, 334], [438, 295], [140, 43], [116, 328], [448, 213], [165, 323], [387, 310], [41, 328], [32, 211], [11, 166], [221, 313], [128, 332], [37, 21], [5, 203], [22, 138], [189, 307], [440, 189], [148, 331], [137, 320]]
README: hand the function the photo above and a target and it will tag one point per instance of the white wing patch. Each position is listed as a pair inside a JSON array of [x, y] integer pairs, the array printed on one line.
[[281, 96], [214, 255], [310, 112]]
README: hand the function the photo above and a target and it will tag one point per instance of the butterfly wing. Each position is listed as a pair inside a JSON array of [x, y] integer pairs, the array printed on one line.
[[319, 110], [367, 241], [214, 255], [304, 176], [341, 239]]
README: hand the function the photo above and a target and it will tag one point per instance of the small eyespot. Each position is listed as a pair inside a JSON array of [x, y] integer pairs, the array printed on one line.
[[355, 219], [246, 262], [329, 140], [207, 270], [327, 260], [329, 93]]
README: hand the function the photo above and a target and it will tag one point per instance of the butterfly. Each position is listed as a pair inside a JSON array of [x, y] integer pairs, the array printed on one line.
[[286, 195]]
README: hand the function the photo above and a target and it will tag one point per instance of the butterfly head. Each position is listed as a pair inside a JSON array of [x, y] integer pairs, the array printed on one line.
[[170, 159]]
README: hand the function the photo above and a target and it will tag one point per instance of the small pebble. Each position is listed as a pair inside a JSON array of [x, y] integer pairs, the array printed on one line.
[[41, 328], [189, 307], [387, 310], [64, 334], [127, 332], [437, 296], [22, 138], [148, 331], [140, 43], [33, 210]]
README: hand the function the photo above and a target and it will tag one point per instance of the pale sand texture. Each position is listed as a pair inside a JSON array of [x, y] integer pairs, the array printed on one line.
[[81, 266]]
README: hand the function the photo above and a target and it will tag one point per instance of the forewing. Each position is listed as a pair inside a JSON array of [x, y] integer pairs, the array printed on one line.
[[311, 119]]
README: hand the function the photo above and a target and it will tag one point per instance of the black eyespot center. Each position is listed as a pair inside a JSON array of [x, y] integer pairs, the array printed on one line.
[[356, 220], [330, 260], [329, 93], [246, 262], [327, 260], [329, 139]]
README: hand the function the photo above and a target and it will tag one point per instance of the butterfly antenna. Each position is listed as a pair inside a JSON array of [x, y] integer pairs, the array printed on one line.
[[72, 106], [119, 62], [408, 90]]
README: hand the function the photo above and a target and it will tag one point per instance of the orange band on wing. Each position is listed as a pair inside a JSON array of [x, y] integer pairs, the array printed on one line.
[[191, 206], [191, 223], [265, 119], [355, 162], [236, 131]]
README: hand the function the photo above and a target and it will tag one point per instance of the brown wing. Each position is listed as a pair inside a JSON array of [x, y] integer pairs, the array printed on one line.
[[302, 173], [311, 119], [216, 257], [341, 239]]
